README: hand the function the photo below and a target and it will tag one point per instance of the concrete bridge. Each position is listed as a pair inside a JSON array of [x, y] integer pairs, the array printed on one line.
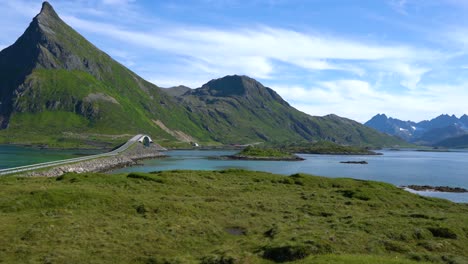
[[140, 138]]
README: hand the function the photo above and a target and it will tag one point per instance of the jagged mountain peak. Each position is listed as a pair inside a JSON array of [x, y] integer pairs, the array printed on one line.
[[50, 44], [47, 11], [47, 20], [53, 82], [46, 7], [55, 45], [425, 132]]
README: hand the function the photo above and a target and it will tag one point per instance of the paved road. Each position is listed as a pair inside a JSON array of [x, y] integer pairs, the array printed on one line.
[[74, 160]]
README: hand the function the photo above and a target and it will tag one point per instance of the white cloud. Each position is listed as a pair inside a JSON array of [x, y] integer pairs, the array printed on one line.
[[327, 73], [211, 53], [254, 51], [171, 81], [24, 8], [360, 100], [410, 74], [280, 44]]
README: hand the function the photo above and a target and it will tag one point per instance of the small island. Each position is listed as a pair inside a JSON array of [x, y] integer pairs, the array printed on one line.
[[329, 148], [256, 153]]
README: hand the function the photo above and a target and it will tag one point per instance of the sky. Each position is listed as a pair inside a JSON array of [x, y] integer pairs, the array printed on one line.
[[354, 58]]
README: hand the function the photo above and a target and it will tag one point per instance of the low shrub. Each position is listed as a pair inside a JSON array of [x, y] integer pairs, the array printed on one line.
[[272, 232], [422, 216], [144, 177], [395, 246], [357, 194], [141, 209], [286, 253], [421, 233], [442, 232]]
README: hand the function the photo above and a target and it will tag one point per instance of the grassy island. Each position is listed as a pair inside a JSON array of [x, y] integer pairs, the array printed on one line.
[[257, 153], [327, 147], [230, 216]]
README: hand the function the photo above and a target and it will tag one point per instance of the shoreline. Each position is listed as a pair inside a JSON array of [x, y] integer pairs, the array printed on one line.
[[441, 189], [130, 157]]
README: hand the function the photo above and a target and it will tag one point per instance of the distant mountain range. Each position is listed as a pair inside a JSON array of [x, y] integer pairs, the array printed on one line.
[[58, 89], [435, 132]]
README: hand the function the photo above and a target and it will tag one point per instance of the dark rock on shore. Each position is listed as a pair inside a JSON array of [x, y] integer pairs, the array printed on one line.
[[436, 188], [241, 157], [354, 162]]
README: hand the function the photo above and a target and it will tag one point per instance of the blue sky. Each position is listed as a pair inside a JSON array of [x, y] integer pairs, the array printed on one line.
[[353, 58]]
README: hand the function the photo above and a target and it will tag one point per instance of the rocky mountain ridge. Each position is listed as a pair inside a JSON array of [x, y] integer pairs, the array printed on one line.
[[427, 132], [57, 88]]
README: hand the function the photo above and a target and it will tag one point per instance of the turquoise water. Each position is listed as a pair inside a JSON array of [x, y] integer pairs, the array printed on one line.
[[14, 156], [396, 167]]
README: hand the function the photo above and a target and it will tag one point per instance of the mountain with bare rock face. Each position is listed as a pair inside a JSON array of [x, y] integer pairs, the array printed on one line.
[[58, 89], [427, 132]]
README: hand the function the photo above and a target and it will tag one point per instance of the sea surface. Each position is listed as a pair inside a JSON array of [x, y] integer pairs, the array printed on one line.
[[396, 167], [400, 168], [15, 156]]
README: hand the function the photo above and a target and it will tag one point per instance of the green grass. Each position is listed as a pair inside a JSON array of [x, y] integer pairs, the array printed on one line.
[[256, 152], [230, 216], [327, 147]]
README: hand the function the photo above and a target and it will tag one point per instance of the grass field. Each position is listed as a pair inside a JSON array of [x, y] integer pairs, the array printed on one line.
[[230, 216]]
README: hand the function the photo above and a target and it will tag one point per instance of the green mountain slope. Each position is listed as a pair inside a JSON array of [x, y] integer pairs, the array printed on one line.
[[54, 81], [58, 89], [240, 109]]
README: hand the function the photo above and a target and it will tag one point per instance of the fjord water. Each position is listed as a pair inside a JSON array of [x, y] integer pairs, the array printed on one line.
[[395, 167], [15, 156]]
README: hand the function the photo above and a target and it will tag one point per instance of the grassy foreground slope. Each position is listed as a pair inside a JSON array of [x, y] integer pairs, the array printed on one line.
[[230, 216]]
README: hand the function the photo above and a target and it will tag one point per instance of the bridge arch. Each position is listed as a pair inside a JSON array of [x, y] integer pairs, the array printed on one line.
[[145, 140]]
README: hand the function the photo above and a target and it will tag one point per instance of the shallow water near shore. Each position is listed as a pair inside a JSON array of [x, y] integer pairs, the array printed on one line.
[[395, 167], [15, 156]]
